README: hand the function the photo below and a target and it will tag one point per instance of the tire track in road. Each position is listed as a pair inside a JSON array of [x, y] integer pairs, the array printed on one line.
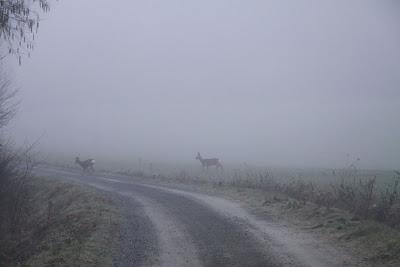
[[220, 241], [176, 247], [181, 221]]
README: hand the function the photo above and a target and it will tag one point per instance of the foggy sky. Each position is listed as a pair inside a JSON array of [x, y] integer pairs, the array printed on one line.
[[300, 83]]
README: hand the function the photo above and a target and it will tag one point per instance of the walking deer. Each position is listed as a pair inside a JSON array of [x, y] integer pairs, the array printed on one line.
[[87, 165], [209, 162]]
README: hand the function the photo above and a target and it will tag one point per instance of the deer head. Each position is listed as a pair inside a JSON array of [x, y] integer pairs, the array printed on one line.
[[198, 156]]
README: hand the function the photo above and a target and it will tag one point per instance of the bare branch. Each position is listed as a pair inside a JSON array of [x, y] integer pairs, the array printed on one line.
[[19, 22]]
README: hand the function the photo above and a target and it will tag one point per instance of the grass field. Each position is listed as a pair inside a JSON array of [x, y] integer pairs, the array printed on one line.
[[369, 194], [352, 215], [359, 209], [372, 194]]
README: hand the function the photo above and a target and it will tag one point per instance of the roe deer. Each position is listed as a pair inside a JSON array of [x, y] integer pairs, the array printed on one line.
[[209, 162], [87, 165]]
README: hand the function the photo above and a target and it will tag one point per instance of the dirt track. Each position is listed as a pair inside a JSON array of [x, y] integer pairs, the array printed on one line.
[[171, 227]]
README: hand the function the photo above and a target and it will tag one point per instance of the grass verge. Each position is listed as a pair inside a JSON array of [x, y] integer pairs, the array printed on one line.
[[66, 225], [372, 242]]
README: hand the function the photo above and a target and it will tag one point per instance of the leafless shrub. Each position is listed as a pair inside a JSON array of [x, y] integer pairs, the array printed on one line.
[[387, 208], [356, 195], [15, 169], [14, 200], [324, 198], [352, 192]]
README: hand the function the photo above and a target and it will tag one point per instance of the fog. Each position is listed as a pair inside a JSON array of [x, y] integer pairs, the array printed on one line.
[[292, 83]]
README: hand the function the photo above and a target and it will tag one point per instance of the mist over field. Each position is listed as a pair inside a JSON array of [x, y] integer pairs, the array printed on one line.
[[288, 83]]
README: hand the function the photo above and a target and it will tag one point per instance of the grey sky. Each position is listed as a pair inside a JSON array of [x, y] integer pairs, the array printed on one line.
[[271, 82]]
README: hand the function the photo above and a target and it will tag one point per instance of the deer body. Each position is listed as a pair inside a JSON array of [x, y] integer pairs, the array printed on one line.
[[87, 165], [209, 162]]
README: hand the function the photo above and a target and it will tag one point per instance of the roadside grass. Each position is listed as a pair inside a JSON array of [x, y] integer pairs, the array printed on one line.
[[377, 243], [67, 224], [352, 211], [362, 196]]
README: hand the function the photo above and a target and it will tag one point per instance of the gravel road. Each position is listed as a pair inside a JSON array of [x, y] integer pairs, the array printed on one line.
[[171, 227]]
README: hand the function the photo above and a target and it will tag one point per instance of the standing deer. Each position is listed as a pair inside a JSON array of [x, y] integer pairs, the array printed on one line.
[[87, 165], [209, 162]]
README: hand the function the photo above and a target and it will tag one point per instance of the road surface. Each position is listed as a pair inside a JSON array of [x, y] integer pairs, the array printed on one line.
[[171, 227]]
